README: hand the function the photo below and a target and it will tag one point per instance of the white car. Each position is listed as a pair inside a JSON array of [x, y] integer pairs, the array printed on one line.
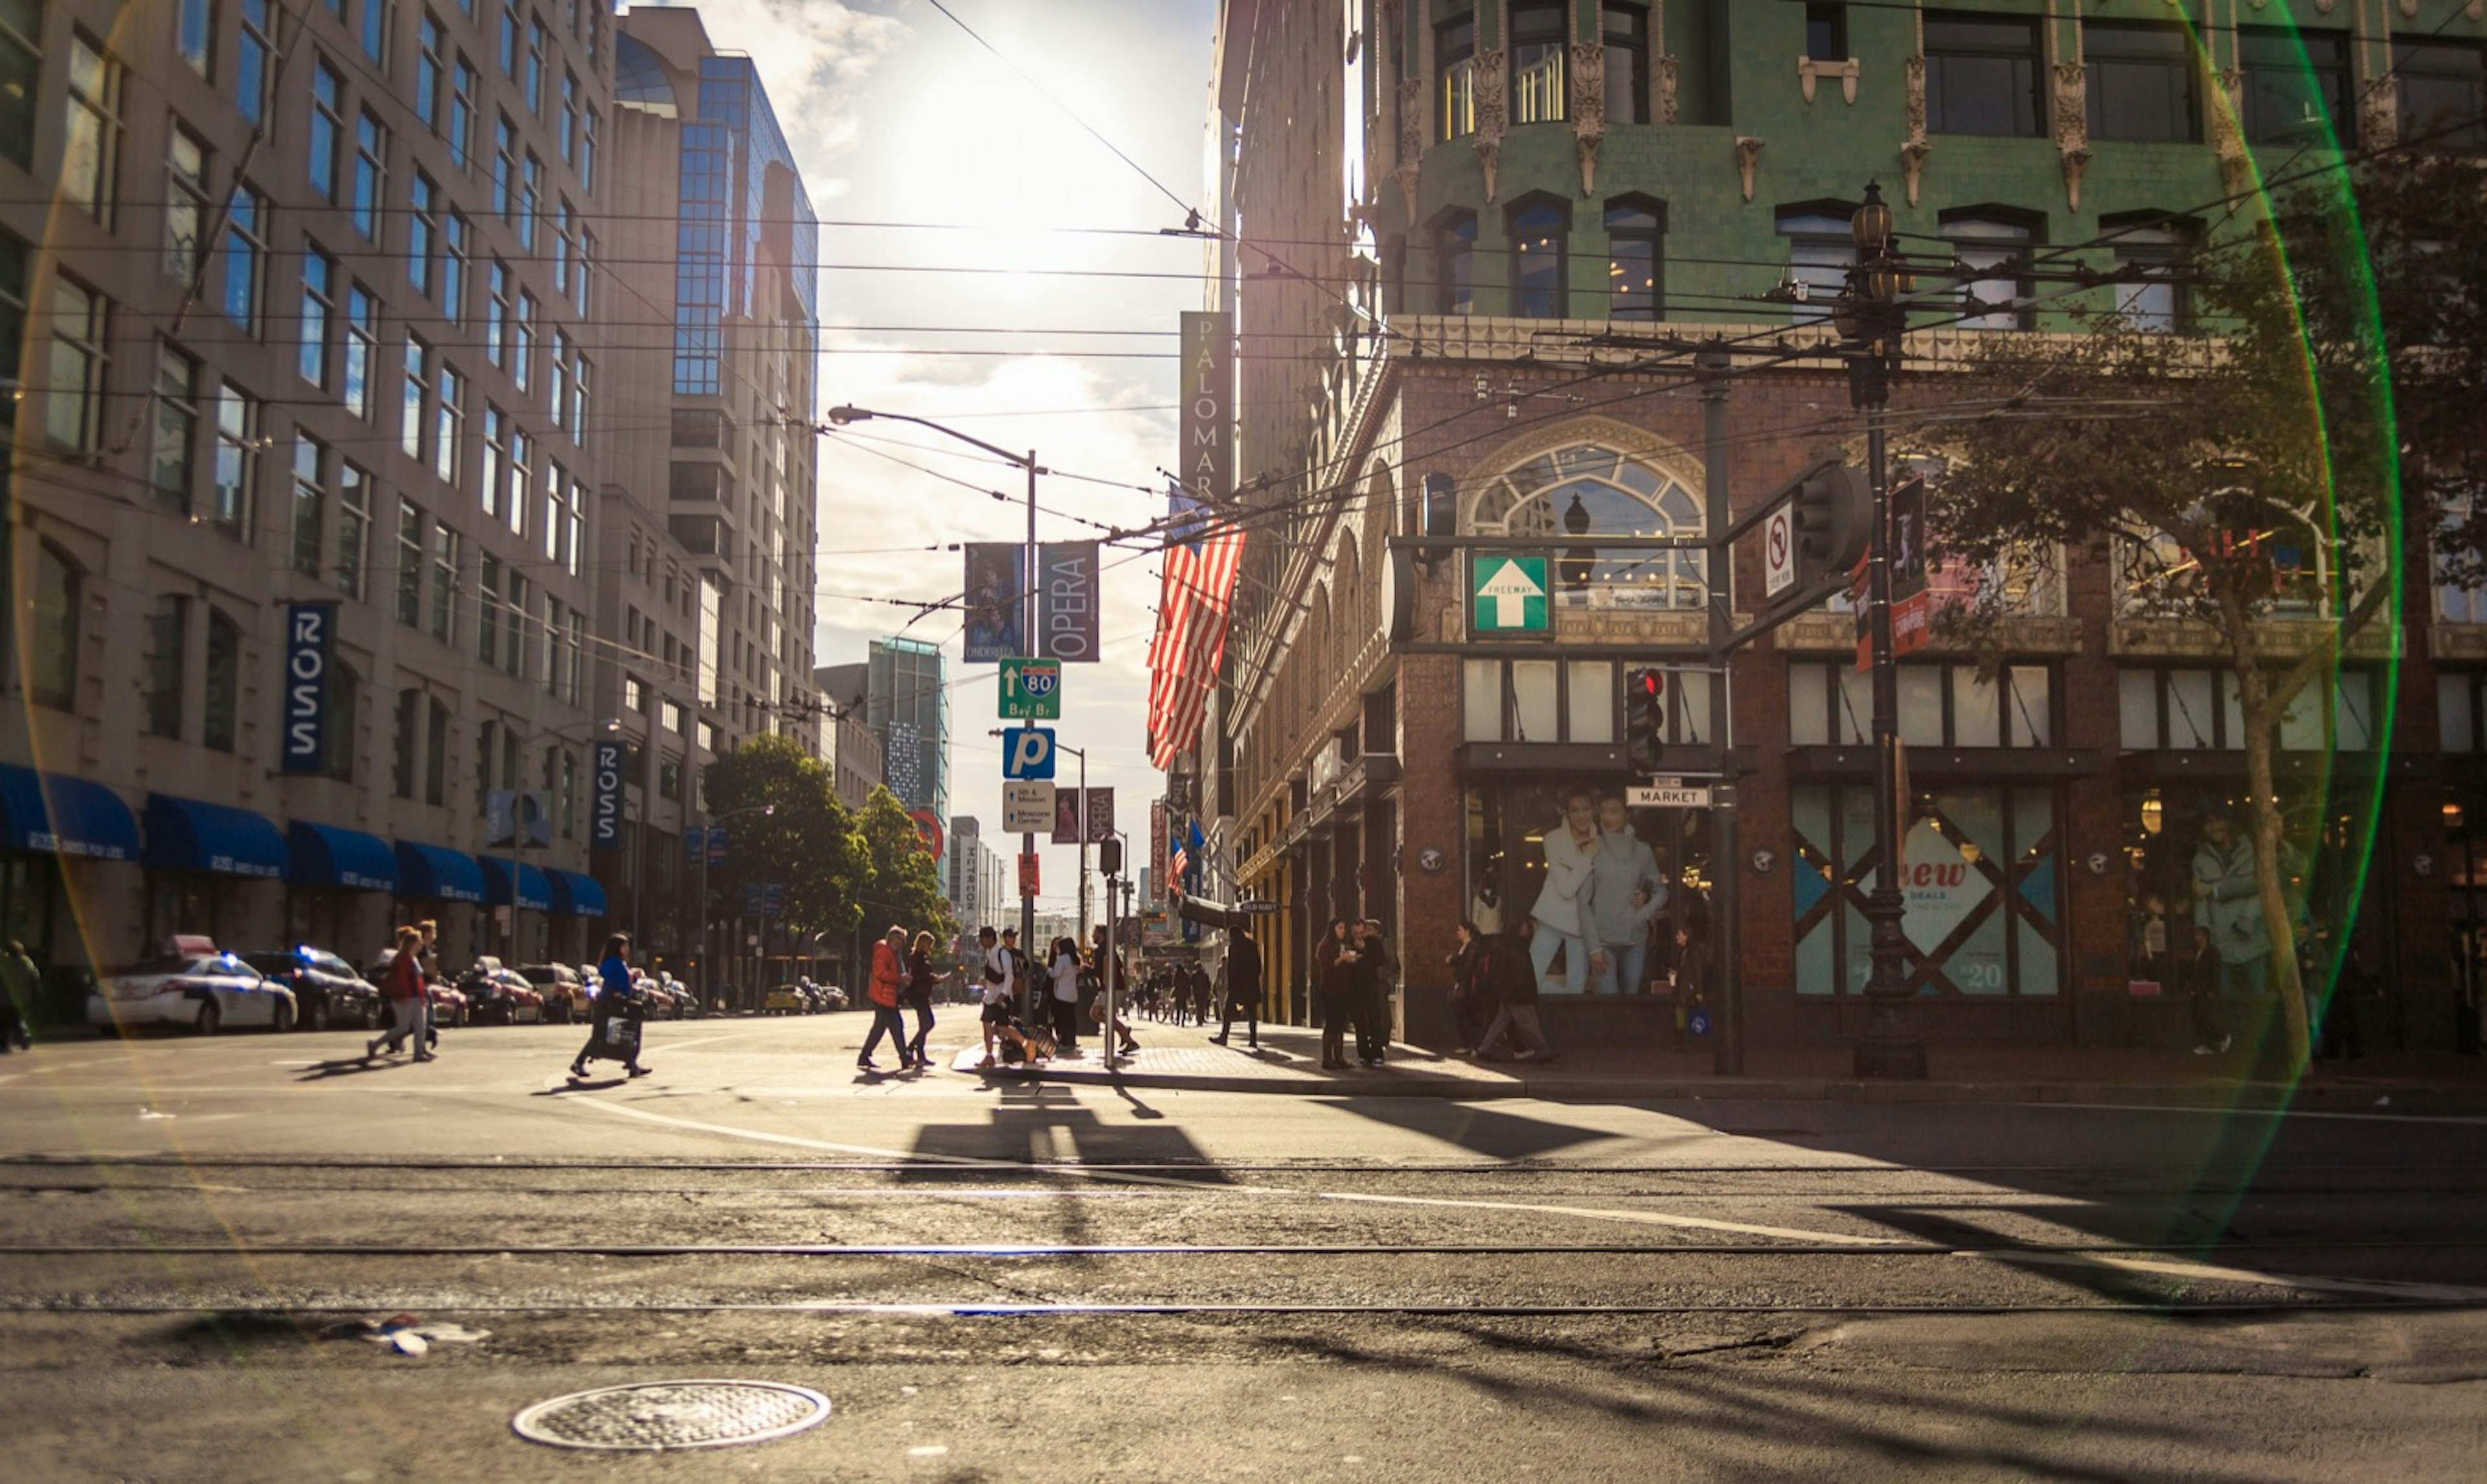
[[205, 991]]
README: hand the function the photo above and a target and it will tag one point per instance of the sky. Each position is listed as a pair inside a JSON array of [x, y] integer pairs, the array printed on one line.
[[899, 116]]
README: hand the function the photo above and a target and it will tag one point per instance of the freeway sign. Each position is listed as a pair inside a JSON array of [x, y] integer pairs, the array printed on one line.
[[1507, 594], [1031, 690]]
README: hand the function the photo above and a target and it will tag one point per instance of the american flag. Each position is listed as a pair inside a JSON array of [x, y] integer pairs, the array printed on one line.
[[1194, 601]]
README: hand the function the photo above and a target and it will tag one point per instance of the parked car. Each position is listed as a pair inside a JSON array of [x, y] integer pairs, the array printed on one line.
[[326, 990], [565, 995], [497, 994], [659, 997], [205, 990], [787, 1000], [683, 994]]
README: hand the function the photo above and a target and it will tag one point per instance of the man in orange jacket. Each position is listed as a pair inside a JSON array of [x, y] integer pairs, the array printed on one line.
[[888, 978]]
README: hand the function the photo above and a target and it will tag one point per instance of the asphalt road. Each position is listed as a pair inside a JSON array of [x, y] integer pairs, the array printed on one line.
[[996, 1282]]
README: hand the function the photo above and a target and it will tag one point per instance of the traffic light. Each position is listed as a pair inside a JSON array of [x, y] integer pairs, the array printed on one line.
[[1834, 523], [1645, 720]]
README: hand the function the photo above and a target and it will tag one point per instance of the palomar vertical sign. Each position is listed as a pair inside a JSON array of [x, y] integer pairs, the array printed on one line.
[[1208, 459]]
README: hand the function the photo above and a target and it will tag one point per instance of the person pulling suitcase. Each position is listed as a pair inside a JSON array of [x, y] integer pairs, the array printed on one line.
[[614, 1032]]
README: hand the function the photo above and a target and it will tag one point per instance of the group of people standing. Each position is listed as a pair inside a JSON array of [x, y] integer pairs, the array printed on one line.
[[1353, 973]]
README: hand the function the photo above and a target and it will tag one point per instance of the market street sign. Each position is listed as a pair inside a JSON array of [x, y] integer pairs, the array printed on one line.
[[1031, 690], [1507, 594], [1666, 796]]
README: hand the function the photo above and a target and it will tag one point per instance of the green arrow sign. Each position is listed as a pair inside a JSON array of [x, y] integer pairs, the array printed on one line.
[[1031, 690], [1507, 594]]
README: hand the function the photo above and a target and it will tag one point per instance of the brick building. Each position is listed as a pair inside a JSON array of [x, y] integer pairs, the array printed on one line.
[[1480, 244]]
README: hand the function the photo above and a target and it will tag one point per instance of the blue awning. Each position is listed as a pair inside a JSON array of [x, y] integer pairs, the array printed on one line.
[[535, 894], [435, 873], [576, 895], [188, 835], [53, 814], [327, 855]]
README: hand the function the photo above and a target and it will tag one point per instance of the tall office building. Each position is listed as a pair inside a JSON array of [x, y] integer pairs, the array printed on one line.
[[301, 307], [909, 708]]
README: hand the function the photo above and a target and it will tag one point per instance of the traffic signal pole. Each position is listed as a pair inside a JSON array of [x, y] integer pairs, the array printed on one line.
[[1725, 852]]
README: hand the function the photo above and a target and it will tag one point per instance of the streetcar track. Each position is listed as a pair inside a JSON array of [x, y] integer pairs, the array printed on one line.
[[397, 1165], [1185, 1308], [1038, 1250]]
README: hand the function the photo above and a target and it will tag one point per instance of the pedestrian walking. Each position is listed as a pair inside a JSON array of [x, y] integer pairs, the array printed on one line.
[[1334, 981], [404, 989], [1113, 983], [998, 990], [919, 993], [1063, 1005], [1513, 976], [888, 979], [1471, 999], [1242, 988], [613, 1033], [427, 958], [2202, 995], [20, 985]]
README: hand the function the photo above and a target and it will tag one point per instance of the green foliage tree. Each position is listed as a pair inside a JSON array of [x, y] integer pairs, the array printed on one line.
[[796, 836], [899, 883], [2251, 481]]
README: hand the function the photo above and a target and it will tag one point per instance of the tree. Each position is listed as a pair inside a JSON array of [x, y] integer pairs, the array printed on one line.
[[805, 844], [899, 883], [2255, 472]]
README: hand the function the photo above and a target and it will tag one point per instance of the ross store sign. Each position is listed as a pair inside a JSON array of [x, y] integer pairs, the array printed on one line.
[[1206, 458], [310, 649], [604, 809]]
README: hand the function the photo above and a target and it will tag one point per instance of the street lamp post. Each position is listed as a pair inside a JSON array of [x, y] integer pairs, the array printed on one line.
[[1872, 317], [839, 417], [707, 981]]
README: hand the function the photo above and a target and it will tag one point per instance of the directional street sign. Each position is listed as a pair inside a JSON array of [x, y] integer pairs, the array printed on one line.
[[1666, 796], [1029, 754], [1507, 594], [1778, 550], [1031, 690], [1027, 809]]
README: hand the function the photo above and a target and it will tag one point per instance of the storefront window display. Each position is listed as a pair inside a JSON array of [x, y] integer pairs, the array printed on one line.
[[1599, 888], [1984, 905], [1588, 490]]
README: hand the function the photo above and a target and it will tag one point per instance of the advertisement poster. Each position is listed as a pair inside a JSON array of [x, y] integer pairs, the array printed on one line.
[[995, 593], [1067, 601]]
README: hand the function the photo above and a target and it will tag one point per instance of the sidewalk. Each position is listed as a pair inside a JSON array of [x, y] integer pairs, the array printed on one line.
[[2397, 1083]]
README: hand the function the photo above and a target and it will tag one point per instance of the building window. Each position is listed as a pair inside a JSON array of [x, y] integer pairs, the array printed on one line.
[[435, 756], [310, 504], [522, 341], [431, 65], [1626, 30], [224, 683], [376, 29], [530, 199], [462, 113], [569, 127], [237, 446], [251, 70], [579, 378], [1981, 74], [168, 632], [1455, 63], [1820, 253], [421, 225], [2460, 597], [2186, 710], [2444, 92], [505, 165], [362, 349], [509, 41], [412, 381], [488, 611], [1997, 249], [73, 399], [353, 526], [2143, 82], [185, 211], [344, 714], [195, 31], [496, 452], [455, 234], [410, 733], [1539, 228], [2149, 295], [1941, 706], [1540, 47], [448, 417], [520, 507], [1636, 264], [246, 255], [52, 652], [520, 605], [92, 152], [1574, 494], [564, 538], [2294, 84], [371, 174], [497, 311], [327, 129], [535, 68], [557, 379], [21, 50], [176, 428], [319, 305], [444, 583], [409, 563], [1826, 33]]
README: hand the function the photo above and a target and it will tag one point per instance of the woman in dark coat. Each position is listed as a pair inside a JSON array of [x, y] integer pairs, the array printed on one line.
[[918, 993], [1335, 976]]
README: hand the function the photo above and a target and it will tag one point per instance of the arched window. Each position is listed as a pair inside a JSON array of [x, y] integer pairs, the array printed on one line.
[[224, 682], [1588, 490], [1540, 45], [51, 651], [1636, 260], [1539, 229], [1455, 237], [1993, 243]]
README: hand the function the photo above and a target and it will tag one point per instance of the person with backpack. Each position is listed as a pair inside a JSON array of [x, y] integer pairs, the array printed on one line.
[[405, 990], [888, 979], [613, 1033]]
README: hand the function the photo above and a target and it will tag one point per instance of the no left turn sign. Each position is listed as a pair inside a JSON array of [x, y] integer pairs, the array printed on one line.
[[1779, 551]]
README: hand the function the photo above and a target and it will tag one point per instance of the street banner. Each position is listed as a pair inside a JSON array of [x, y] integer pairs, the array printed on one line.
[[1066, 817], [310, 649], [604, 807], [1205, 460], [1101, 815], [996, 599], [1075, 826], [1029, 875], [1157, 828], [1067, 601]]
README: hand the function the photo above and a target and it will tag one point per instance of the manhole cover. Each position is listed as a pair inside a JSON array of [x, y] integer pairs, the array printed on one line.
[[660, 1415]]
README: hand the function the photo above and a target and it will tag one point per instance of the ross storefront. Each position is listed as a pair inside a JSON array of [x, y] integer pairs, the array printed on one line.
[[529, 942], [578, 907], [338, 883], [58, 836], [212, 871], [444, 886]]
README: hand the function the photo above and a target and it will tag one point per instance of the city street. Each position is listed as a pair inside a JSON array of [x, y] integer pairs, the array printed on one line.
[[995, 1281]]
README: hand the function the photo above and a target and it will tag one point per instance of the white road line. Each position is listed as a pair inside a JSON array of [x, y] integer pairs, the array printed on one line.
[[2267, 1112], [2196, 1271]]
